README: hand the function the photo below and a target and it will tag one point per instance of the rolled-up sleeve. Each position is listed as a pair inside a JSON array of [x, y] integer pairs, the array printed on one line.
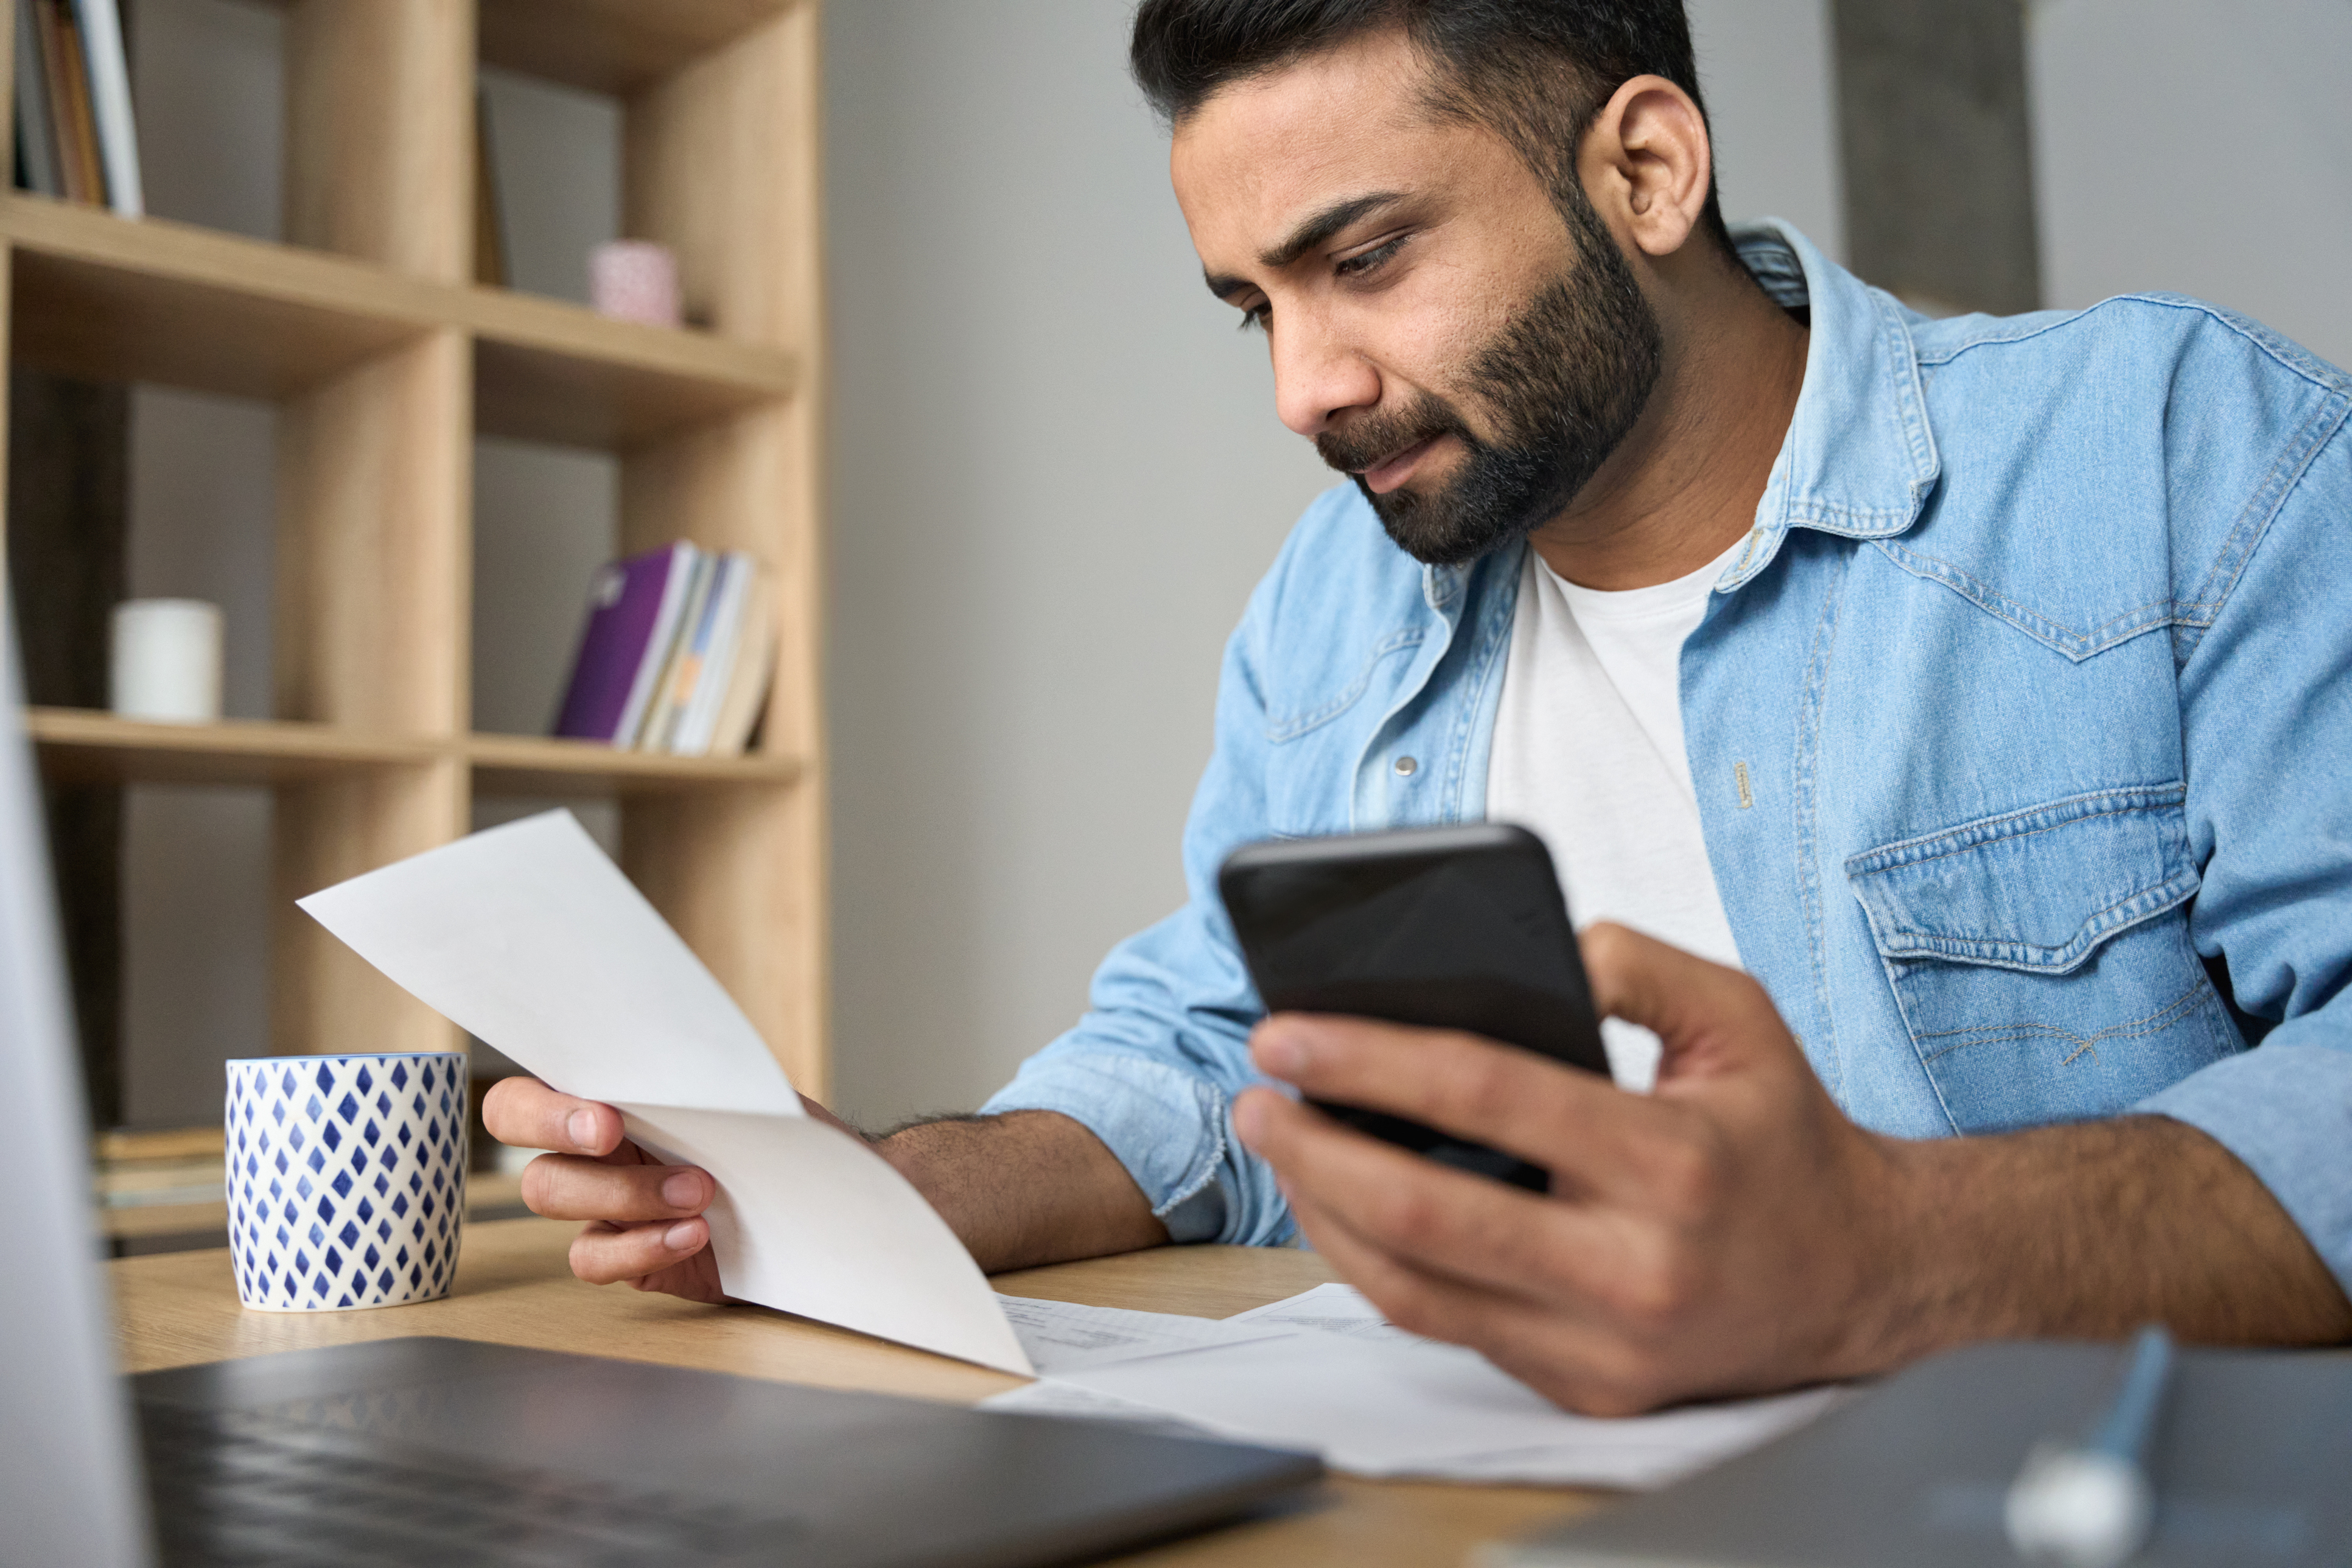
[[2267, 709], [2286, 1110]]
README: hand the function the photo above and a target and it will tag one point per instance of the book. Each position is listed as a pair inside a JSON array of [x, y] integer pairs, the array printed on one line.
[[490, 230], [100, 24], [700, 719], [697, 648], [677, 654], [149, 1184], [661, 716], [753, 669], [634, 607], [36, 146], [70, 126], [176, 1167], [168, 1144]]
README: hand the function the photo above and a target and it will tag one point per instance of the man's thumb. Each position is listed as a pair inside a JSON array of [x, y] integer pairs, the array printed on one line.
[[1697, 1009]]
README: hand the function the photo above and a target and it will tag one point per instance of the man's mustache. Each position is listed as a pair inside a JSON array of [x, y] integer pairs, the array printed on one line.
[[1362, 443]]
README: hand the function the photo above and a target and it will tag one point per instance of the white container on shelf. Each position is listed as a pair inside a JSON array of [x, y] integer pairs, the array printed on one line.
[[166, 661]]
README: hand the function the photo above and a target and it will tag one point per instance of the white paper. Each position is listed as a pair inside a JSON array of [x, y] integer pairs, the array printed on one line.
[[1063, 1336], [530, 937], [1335, 1309], [1395, 1404]]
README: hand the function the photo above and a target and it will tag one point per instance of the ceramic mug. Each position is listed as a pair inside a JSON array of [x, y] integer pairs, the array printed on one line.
[[346, 1179]]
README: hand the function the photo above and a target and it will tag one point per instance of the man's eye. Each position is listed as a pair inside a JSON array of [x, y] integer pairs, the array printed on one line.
[[1370, 260], [1257, 318]]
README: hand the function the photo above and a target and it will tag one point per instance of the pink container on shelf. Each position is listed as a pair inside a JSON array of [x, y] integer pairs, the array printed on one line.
[[635, 280]]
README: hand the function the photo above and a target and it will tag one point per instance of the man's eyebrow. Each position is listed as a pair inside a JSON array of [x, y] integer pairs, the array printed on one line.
[[1305, 237]]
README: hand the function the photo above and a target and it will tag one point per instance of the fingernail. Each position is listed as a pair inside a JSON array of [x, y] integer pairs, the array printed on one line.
[[1246, 1118], [582, 1129], [680, 1236], [683, 1190], [1280, 1053]]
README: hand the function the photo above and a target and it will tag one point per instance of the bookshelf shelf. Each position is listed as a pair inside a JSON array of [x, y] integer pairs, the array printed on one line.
[[610, 384], [107, 299], [78, 745], [612, 46], [527, 766], [384, 361], [81, 746]]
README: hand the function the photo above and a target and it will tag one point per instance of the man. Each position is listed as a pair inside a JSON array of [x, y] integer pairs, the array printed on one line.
[[1977, 687]]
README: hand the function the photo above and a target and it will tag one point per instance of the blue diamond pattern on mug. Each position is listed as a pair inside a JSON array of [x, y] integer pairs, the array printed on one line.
[[347, 1179]]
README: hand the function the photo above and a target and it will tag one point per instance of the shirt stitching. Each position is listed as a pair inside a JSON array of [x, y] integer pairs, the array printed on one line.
[[1806, 794], [2273, 348], [2064, 639], [2254, 521], [1971, 836], [2000, 953], [2154, 1022], [1291, 728]]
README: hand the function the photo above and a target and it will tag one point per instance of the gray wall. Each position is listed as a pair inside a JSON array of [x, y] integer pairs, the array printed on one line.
[[2201, 148], [1766, 68]]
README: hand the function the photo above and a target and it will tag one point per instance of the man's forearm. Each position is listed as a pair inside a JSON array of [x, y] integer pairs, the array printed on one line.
[[1025, 1188], [2093, 1229]]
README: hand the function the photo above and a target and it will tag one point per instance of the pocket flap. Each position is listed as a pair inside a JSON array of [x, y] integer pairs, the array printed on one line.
[[2037, 889]]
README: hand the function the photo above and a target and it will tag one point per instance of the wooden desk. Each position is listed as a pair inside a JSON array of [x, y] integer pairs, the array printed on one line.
[[513, 1288]]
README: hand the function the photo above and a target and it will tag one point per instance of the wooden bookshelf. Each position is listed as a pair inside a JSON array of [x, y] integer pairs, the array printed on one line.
[[384, 362]]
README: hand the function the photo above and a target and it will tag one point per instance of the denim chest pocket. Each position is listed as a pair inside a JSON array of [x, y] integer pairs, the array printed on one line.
[[1315, 739], [2041, 958]]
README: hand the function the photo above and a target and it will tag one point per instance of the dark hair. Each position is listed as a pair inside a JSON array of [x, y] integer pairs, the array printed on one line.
[[1535, 71]]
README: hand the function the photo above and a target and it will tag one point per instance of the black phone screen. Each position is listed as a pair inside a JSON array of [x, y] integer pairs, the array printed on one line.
[[1456, 928]]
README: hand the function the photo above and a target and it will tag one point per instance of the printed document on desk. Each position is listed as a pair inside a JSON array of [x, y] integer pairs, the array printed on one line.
[[529, 937], [1377, 1401], [1064, 1336]]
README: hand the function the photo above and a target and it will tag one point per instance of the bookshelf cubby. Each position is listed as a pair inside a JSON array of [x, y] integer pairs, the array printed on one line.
[[384, 361]]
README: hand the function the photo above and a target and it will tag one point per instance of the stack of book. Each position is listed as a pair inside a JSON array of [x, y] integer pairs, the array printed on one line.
[[676, 656], [155, 1184], [75, 137]]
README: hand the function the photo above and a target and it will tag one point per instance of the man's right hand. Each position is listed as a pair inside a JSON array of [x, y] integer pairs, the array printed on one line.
[[645, 1218], [1019, 1190]]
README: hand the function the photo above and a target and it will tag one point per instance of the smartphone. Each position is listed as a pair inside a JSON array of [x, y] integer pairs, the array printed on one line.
[[1455, 928]]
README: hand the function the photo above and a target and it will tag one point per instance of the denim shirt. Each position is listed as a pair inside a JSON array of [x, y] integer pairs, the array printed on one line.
[[2021, 729]]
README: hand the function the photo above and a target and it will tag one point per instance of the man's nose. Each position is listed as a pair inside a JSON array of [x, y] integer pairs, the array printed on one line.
[[1316, 375]]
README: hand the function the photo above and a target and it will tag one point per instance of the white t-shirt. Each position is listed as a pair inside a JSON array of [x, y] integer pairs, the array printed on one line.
[[1589, 756]]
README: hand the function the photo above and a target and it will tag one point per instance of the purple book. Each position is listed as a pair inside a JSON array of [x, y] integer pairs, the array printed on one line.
[[632, 613]]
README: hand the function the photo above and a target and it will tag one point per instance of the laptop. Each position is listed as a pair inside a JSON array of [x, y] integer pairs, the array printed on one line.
[[448, 1452]]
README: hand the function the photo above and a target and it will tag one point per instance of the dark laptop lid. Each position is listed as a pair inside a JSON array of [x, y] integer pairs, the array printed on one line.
[[814, 1476]]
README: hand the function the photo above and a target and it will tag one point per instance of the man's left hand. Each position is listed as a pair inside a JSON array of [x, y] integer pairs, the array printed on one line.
[[1733, 1232], [1717, 1237]]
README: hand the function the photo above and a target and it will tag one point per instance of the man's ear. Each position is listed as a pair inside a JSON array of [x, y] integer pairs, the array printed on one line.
[[1646, 165]]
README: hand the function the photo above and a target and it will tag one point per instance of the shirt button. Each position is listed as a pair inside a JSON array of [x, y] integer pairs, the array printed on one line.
[[1405, 767]]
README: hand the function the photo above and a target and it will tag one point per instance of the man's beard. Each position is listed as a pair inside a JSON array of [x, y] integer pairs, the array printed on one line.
[[1562, 383]]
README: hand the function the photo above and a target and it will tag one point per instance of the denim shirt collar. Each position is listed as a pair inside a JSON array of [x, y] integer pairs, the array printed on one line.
[[1860, 458]]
